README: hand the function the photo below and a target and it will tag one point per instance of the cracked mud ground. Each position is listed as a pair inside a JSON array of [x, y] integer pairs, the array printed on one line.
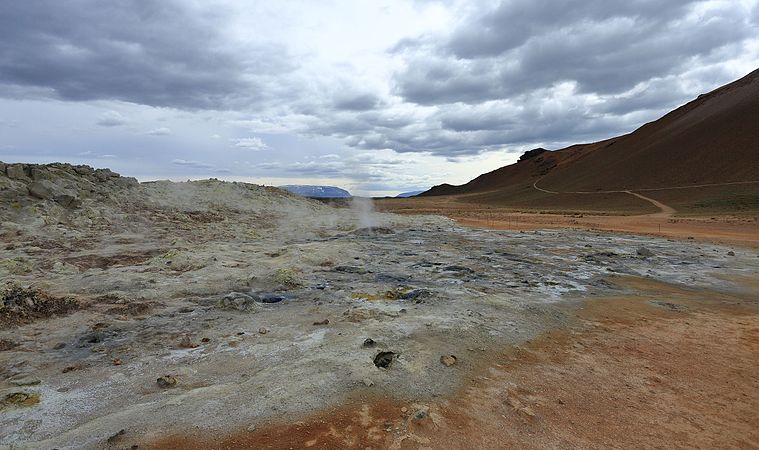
[[214, 314]]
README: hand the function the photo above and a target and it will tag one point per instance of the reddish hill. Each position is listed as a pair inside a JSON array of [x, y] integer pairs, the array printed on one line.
[[712, 139]]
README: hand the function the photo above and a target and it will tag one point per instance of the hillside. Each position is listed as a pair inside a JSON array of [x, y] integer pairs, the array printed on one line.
[[713, 139]]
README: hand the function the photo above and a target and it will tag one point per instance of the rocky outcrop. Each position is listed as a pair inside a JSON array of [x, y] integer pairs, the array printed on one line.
[[529, 154], [65, 184]]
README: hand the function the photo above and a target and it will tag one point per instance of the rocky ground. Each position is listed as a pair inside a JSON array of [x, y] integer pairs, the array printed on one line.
[[131, 312]]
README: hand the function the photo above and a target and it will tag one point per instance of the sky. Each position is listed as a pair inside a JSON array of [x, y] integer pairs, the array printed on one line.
[[378, 97]]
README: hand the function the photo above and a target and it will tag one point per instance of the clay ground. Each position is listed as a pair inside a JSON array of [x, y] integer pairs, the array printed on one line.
[[711, 225], [668, 368], [217, 315]]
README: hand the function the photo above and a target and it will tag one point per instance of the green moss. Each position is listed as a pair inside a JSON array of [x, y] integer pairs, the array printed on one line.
[[16, 266], [288, 277]]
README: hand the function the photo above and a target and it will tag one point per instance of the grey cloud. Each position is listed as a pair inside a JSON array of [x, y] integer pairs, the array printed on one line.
[[153, 53], [359, 102], [514, 22], [604, 47], [193, 164]]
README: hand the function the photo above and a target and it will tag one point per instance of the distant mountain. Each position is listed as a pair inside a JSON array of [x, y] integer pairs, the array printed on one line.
[[409, 194], [305, 190]]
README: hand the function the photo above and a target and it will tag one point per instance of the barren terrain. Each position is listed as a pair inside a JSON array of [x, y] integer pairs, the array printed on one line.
[[220, 315]]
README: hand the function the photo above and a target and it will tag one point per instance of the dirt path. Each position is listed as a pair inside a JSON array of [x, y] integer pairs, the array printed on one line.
[[665, 211]]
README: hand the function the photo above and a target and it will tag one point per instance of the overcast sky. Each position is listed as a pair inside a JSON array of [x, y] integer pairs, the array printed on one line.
[[375, 96]]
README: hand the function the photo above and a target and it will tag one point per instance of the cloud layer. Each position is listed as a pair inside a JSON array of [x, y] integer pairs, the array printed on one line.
[[228, 84]]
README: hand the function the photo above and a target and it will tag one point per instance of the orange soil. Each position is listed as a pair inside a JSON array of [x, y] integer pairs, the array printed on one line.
[[740, 231], [630, 374]]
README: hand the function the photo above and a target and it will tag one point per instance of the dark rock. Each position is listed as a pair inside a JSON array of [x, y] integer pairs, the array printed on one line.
[[416, 294], [383, 360], [529, 154], [166, 381], [116, 437], [350, 269], [368, 343], [270, 298], [644, 252], [731, 253], [322, 322], [459, 269]]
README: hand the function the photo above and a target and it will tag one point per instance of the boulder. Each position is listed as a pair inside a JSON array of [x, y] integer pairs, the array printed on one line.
[[105, 174], [238, 301], [38, 173], [16, 172], [43, 189], [68, 201], [47, 190]]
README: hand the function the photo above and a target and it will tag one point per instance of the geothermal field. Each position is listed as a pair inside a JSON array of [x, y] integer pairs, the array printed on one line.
[[210, 314]]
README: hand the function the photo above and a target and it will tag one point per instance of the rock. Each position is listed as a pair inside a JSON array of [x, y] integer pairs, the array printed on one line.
[[532, 154], [416, 294], [644, 252], [47, 190], [458, 269], [350, 269], [116, 436], [186, 342], [26, 380], [251, 428], [368, 343], [71, 368], [238, 301], [7, 344], [368, 382], [126, 182], [731, 253], [105, 174], [384, 360], [68, 201], [448, 360], [205, 339], [263, 330], [2, 168], [322, 322], [43, 189], [421, 413], [21, 399], [166, 381], [270, 298], [670, 305], [116, 361], [16, 172]]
